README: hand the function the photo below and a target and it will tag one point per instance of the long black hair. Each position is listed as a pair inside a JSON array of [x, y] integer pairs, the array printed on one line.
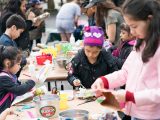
[[102, 11], [10, 53], [14, 6], [140, 10]]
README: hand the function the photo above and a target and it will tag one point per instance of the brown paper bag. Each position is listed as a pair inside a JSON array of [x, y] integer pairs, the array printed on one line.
[[110, 101]]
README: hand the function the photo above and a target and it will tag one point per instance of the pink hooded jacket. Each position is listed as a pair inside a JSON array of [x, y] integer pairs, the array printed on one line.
[[143, 79]]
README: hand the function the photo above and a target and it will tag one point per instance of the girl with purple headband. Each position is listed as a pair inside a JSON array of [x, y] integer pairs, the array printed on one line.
[[92, 61]]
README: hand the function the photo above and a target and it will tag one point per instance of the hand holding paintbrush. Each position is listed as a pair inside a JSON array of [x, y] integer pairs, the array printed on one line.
[[5, 113]]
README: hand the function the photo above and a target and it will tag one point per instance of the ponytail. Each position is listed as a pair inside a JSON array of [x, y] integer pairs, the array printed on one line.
[[10, 53]]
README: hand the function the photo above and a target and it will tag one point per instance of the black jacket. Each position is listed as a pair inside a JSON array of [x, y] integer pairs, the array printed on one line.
[[87, 73], [123, 50], [10, 84]]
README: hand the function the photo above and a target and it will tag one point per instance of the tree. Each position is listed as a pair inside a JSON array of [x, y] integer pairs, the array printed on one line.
[[51, 5]]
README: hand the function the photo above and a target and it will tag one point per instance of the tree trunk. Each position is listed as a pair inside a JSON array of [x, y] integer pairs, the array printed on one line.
[[51, 5]]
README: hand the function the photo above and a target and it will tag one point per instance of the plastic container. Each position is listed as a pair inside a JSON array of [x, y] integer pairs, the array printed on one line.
[[64, 101], [61, 62], [74, 114], [66, 47], [72, 40], [42, 58], [47, 106]]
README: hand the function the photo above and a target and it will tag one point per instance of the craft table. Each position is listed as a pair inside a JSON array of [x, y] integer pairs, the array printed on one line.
[[93, 108], [57, 74]]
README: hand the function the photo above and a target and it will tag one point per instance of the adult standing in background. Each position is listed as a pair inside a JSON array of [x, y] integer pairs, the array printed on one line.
[[67, 19], [36, 34], [108, 12], [89, 13]]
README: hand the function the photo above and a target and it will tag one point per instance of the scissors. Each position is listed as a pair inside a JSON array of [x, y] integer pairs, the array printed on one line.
[[91, 99], [82, 86]]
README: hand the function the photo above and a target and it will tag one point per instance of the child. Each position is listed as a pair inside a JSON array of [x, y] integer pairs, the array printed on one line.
[[141, 70], [10, 88], [92, 61], [125, 46], [15, 25], [36, 34]]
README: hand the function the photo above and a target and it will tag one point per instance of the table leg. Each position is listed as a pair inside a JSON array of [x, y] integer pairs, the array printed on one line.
[[49, 86], [55, 84], [62, 87]]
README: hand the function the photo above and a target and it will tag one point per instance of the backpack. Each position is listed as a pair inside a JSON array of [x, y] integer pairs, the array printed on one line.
[[78, 33]]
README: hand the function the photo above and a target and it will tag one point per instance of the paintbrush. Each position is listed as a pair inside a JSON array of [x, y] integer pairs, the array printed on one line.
[[26, 75]]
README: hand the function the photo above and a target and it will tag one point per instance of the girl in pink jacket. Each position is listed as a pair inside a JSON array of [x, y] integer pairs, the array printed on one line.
[[141, 70]]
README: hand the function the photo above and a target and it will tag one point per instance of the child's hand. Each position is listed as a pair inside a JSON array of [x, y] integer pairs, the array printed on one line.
[[37, 22], [6, 112], [120, 95], [31, 16], [98, 84], [28, 60], [76, 82], [9, 111]]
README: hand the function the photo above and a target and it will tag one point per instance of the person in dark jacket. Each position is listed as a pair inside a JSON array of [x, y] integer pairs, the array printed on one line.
[[36, 34], [92, 61], [15, 25], [18, 7], [10, 87], [125, 46]]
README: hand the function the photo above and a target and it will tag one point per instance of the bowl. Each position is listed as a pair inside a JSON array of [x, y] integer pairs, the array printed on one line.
[[74, 114], [61, 62]]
